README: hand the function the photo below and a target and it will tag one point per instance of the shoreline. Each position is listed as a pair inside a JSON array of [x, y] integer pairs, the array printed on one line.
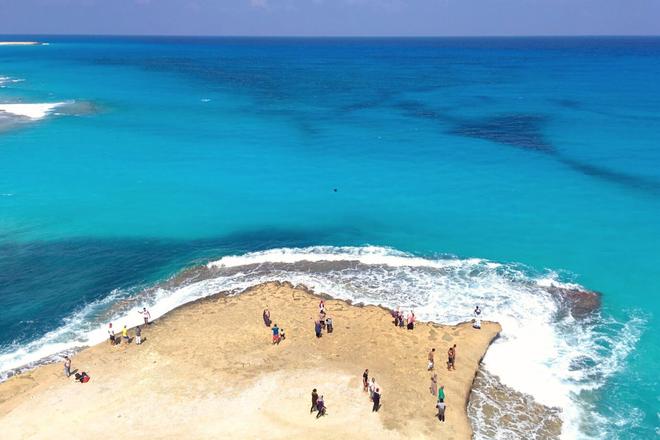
[[301, 355]]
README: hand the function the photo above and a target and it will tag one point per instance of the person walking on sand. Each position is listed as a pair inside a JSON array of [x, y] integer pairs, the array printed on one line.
[[376, 399], [322, 307], [320, 407], [67, 366], [266, 317], [317, 328], [315, 398], [138, 335], [276, 334], [431, 362], [146, 315], [124, 334], [328, 324], [434, 385], [111, 333], [451, 358], [441, 393], [365, 380], [373, 386], [441, 409]]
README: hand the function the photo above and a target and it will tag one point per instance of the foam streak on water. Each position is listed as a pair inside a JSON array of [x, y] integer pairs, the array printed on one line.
[[549, 355]]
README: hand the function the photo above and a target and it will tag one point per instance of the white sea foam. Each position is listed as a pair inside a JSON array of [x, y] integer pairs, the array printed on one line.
[[33, 111], [372, 255], [4, 80], [541, 352]]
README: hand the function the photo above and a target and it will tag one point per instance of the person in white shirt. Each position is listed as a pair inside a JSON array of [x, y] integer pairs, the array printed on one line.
[[111, 333], [146, 315]]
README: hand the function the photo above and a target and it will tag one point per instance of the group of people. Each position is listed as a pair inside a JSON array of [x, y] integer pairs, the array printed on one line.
[[400, 321], [318, 404], [375, 392], [82, 377], [278, 333], [324, 322], [451, 358], [115, 339], [440, 392]]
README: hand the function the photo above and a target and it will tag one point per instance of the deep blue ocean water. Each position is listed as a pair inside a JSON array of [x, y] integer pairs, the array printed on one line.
[[541, 152]]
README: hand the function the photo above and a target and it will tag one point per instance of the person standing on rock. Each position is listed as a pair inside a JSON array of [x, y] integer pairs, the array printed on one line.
[[317, 328], [320, 407], [67, 366], [124, 334], [376, 399], [328, 324], [441, 409], [451, 358], [365, 379], [411, 320], [372, 388], [138, 335], [431, 361], [315, 398], [434, 384], [111, 333], [276, 334], [146, 315], [266, 317], [441, 393]]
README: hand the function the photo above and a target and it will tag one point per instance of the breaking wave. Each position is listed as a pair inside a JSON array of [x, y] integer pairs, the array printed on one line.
[[555, 342]]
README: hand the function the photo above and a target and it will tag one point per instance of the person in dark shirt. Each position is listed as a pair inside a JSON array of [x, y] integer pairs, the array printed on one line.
[[317, 329], [315, 398], [451, 358], [320, 407], [376, 399], [365, 379]]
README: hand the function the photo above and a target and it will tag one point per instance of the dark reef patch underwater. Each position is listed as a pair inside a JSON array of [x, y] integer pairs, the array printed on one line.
[[520, 174]]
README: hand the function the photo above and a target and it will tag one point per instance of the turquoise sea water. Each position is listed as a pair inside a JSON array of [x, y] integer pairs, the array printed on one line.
[[539, 154]]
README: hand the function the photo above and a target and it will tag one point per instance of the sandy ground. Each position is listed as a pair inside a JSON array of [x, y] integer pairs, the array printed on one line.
[[208, 370]]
